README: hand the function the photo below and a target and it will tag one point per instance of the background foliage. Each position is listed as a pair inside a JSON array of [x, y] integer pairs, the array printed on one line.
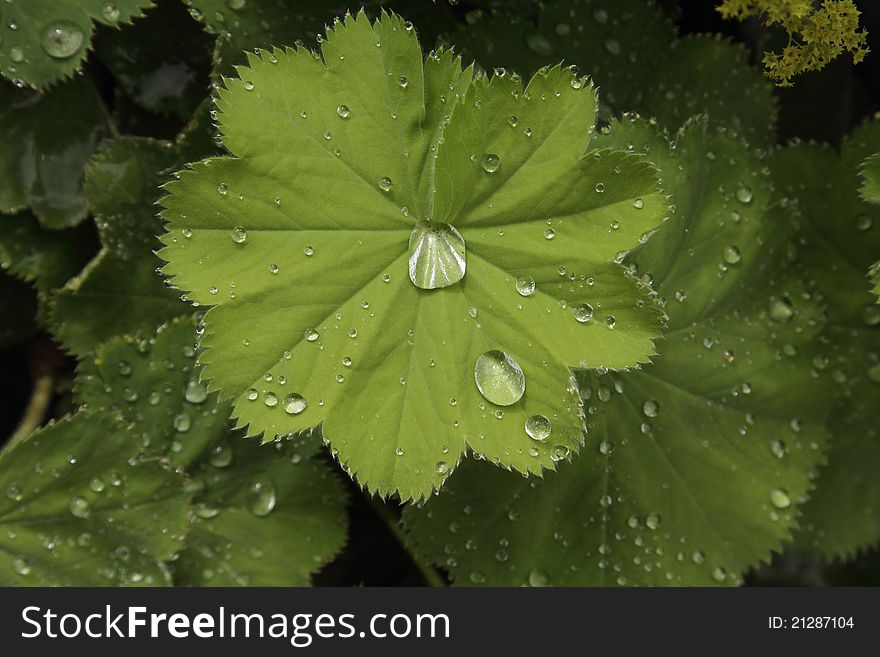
[[740, 447]]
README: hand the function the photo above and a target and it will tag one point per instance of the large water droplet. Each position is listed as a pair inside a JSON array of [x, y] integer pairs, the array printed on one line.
[[651, 408], [196, 393], [79, 507], [62, 39], [499, 378], [583, 312], [538, 428], [261, 498], [525, 285], [437, 256], [491, 162], [295, 404], [780, 499], [238, 234]]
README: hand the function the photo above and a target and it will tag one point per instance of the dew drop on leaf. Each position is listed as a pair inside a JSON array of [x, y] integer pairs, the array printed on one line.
[[583, 312], [437, 256], [261, 498], [538, 578], [491, 162], [271, 399], [295, 404], [181, 422], [744, 194], [538, 428], [731, 254], [196, 393], [651, 408], [780, 499], [78, 507], [385, 184], [781, 310], [62, 39], [343, 112], [525, 285], [499, 378], [110, 13], [238, 235]]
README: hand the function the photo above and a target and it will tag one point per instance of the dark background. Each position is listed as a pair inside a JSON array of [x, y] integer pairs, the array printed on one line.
[[823, 106]]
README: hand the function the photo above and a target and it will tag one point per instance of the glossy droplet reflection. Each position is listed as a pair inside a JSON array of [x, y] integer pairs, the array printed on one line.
[[499, 378], [62, 39], [437, 256], [538, 428]]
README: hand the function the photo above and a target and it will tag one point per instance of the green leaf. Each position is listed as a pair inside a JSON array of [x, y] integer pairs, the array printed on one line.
[[301, 243], [47, 40], [874, 275], [81, 509], [161, 62], [839, 240], [692, 467], [47, 140], [264, 515], [870, 170], [119, 291], [630, 51]]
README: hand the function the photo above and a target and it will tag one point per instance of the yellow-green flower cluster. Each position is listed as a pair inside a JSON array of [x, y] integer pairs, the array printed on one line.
[[817, 35]]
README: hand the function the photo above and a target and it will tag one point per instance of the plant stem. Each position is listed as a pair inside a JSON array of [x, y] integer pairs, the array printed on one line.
[[431, 576], [35, 412]]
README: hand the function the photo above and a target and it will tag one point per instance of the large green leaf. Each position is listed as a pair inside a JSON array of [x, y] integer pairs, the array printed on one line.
[[301, 244], [840, 239], [630, 51], [81, 509], [46, 40], [693, 467], [265, 515], [47, 139]]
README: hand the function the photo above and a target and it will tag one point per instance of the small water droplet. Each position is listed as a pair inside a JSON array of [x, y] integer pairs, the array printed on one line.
[[196, 393], [343, 112], [744, 194], [270, 399], [583, 312], [651, 408], [181, 422], [385, 184], [538, 578], [731, 254], [79, 507]]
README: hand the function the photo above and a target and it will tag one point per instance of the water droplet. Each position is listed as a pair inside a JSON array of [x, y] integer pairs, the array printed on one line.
[[403, 82], [123, 368], [236, 5], [538, 578], [864, 222], [638, 204], [731, 254], [79, 507], [538, 428], [62, 39], [651, 408], [491, 162], [525, 285], [781, 310], [311, 335], [777, 448], [343, 112], [606, 447], [309, 251], [871, 315], [744, 194], [539, 44], [499, 378], [270, 399], [600, 187], [442, 468], [385, 184], [613, 46], [780, 499], [261, 498], [196, 393], [238, 235], [220, 456], [549, 234], [252, 394], [583, 312], [16, 55], [295, 404], [437, 256], [181, 422], [110, 13]]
